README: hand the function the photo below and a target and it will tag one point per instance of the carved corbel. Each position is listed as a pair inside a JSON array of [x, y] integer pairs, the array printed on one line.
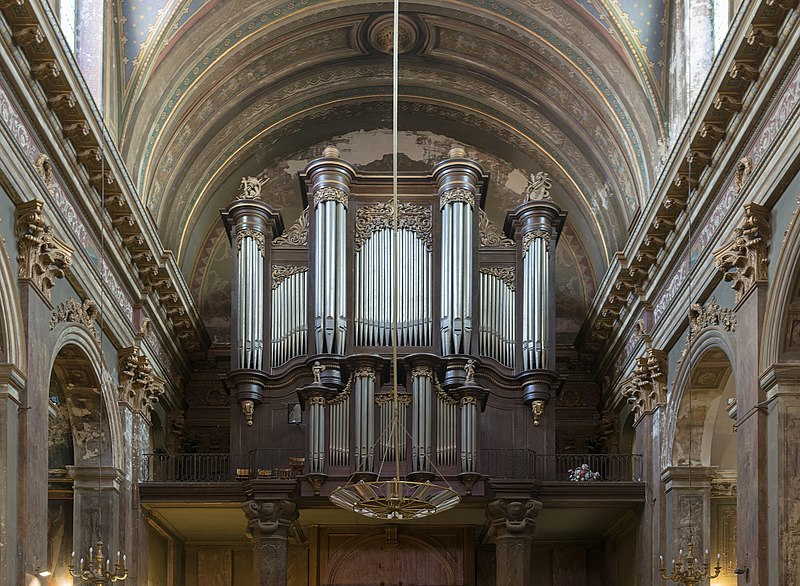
[[654, 241], [63, 101], [727, 102], [663, 224], [510, 516], [743, 71], [712, 131], [88, 156], [269, 519], [76, 130], [42, 257], [44, 70], [784, 4], [25, 35], [700, 158], [10, 3], [744, 259], [134, 240]]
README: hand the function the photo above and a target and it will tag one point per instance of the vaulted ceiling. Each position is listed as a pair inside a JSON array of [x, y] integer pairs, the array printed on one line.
[[211, 91]]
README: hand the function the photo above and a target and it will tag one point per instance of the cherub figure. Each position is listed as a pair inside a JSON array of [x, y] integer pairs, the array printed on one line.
[[469, 368], [316, 370]]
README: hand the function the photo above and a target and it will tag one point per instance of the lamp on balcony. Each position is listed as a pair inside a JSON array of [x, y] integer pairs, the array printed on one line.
[[395, 499]]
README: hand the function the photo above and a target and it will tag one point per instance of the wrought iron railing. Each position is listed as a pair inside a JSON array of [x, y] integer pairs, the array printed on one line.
[[522, 463], [263, 463]]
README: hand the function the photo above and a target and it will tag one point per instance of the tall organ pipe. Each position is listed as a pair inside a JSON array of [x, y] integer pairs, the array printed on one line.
[[330, 178], [457, 179]]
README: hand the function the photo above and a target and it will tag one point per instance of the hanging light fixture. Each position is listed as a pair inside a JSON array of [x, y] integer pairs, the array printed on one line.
[[692, 572], [99, 570], [395, 499]]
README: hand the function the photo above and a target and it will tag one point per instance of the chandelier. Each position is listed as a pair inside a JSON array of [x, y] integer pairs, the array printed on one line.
[[99, 571], [394, 499], [693, 572]]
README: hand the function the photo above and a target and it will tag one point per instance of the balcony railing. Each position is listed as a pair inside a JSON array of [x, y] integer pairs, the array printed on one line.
[[263, 463], [286, 464]]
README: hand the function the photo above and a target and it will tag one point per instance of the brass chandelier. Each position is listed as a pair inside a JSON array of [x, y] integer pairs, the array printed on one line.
[[395, 499], [693, 572]]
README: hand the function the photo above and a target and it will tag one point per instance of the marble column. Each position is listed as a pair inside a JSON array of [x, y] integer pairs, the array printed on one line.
[[11, 384], [687, 492], [782, 386], [512, 524], [268, 524]]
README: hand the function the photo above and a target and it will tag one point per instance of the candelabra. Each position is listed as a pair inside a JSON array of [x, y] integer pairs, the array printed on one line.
[[694, 572], [95, 573]]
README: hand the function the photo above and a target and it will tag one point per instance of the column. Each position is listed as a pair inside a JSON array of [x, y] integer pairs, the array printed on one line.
[[11, 385], [329, 179], [744, 261], [650, 543], [457, 179], [251, 226], [535, 226], [268, 524], [512, 524], [687, 494], [782, 386]]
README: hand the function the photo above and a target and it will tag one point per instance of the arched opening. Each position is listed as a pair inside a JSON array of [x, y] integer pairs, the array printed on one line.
[[81, 500]]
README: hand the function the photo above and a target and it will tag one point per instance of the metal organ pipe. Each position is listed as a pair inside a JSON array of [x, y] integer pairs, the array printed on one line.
[[364, 427], [421, 418]]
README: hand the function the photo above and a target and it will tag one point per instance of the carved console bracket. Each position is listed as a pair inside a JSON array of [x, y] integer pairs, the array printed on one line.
[[744, 259], [42, 257], [646, 388]]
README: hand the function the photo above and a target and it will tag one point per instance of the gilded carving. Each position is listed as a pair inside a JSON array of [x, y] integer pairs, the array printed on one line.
[[532, 235], [139, 387], [74, 311], [250, 233], [44, 70], [457, 195], [538, 187], [744, 260], [330, 194], [537, 410], [25, 35], [490, 235], [297, 234], [248, 408], [42, 257], [425, 371], [365, 372], [282, 272], [469, 400], [382, 399], [505, 274], [344, 394], [379, 216], [316, 400]]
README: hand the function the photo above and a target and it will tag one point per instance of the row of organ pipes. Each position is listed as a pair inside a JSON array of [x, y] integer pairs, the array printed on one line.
[[350, 425]]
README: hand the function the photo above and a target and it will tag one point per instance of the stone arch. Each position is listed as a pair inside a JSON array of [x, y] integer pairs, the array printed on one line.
[[781, 330], [71, 335], [705, 371], [12, 331]]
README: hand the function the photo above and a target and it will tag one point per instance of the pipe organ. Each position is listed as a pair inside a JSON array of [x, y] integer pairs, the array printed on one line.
[[323, 291]]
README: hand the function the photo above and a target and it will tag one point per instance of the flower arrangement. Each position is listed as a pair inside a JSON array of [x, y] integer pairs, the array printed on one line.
[[583, 474]]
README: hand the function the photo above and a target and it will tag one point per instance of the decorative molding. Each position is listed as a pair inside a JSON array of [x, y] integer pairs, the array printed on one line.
[[382, 399], [710, 315], [269, 518], [744, 260], [507, 516], [457, 195], [344, 394], [538, 187], [490, 235], [282, 272], [505, 274], [379, 216], [530, 236], [74, 311], [723, 487], [330, 194], [296, 235], [42, 257], [425, 371], [646, 388], [139, 387], [365, 372], [250, 233]]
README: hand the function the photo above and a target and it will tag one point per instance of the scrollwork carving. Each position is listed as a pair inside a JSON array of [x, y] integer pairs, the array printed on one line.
[[74, 311], [538, 187], [425, 371], [297, 234], [490, 235], [251, 188], [646, 388], [282, 272], [379, 216], [139, 387], [534, 234], [330, 194], [709, 316], [457, 195], [250, 233], [505, 274], [365, 372]]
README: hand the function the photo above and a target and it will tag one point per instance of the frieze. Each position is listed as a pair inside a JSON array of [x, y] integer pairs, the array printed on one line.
[[296, 235], [379, 216], [505, 274], [74, 311], [490, 235], [282, 272]]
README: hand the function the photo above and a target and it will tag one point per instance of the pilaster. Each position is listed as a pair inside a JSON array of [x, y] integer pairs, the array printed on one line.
[[512, 524]]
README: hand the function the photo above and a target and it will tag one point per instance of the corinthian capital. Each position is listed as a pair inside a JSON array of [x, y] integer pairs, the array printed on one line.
[[42, 257], [744, 259]]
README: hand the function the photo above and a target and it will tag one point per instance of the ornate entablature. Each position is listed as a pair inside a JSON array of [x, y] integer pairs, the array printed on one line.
[[74, 311], [139, 387], [414, 218], [744, 260], [43, 257], [646, 388]]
